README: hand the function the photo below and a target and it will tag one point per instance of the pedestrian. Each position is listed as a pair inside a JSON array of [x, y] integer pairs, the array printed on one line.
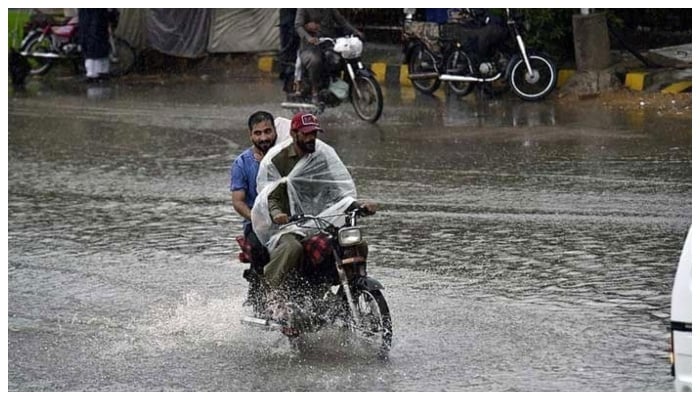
[[93, 29], [289, 46]]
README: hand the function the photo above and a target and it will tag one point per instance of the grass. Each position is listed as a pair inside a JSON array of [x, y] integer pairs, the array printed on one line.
[[15, 25]]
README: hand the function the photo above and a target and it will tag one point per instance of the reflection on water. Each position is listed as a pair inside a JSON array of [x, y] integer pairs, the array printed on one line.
[[524, 246]]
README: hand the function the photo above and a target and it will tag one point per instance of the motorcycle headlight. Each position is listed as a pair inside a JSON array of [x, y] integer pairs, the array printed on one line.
[[349, 236]]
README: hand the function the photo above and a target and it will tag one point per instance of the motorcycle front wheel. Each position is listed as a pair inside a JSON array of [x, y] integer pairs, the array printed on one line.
[[122, 56], [458, 63], [375, 320], [420, 61], [533, 86], [38, 43], [367, 98]]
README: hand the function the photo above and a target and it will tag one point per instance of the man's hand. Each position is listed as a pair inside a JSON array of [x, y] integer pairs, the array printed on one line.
[[360, 35], [313, 28], [281, 219], [370, 207]]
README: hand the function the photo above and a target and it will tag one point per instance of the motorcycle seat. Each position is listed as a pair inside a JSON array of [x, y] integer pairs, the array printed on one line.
[[64, 30]]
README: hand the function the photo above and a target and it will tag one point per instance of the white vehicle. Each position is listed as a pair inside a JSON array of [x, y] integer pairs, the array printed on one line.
[[681, 321]]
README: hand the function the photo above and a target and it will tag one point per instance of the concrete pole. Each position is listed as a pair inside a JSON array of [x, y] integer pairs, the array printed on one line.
[[591, 41]]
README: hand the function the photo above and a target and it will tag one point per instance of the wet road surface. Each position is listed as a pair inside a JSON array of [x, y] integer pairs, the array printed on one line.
[[526, 247]]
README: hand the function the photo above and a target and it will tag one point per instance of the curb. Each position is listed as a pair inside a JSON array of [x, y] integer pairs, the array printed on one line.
[[673, 81]]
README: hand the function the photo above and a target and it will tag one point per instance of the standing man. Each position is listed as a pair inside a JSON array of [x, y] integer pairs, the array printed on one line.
[[243, 186], [289, 45], [94, 26], [310, 24]]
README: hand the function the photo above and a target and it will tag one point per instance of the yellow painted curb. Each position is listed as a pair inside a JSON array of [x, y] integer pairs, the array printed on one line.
[[564, 75], [403, 76], [677, 87], [635, 80], [379, 70], [407, 94], [265, 63]]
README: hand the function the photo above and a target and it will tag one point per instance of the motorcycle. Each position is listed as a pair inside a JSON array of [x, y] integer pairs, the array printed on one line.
[[331, 287], [47, 41], [530, 74], [426, 50], [345, 78]]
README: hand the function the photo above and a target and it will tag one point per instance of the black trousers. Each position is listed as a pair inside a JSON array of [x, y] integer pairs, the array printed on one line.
[[260, 255]]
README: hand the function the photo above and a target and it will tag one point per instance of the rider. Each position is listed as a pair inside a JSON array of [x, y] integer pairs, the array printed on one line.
[[287, 252], [310, 24], [243, 186]]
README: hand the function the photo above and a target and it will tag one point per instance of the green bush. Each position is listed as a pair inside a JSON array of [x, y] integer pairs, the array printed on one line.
[[15, 25], [550, 30]]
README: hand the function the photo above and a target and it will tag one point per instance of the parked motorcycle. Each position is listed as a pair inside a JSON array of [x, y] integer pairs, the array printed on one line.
[[331, 287], [429, 55], [530, 74], [48, 41], [345, 78]]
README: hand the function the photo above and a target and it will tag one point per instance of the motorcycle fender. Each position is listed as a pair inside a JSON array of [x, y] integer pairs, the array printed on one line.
[[30, 36], [367, 283], [364, 72], [511, 65]]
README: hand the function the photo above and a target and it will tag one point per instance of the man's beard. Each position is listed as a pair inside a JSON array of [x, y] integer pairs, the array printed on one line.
[[308, 147], [263, 145]]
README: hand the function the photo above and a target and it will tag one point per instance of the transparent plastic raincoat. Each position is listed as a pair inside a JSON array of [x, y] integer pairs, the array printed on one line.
[[319, 185]]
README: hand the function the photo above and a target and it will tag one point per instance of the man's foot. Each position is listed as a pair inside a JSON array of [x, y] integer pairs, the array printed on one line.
[[294, 97], [255, 301], [276, 308]]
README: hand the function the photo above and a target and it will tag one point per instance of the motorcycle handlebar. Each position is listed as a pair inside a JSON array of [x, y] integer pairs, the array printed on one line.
[[296, 217], [359, 211]]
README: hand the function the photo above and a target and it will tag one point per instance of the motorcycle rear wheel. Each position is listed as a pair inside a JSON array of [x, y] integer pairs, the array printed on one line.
[[37, 44], [367, 98], [421, 61], [458, 63], [122, 57], [539, 84], [375, 320]]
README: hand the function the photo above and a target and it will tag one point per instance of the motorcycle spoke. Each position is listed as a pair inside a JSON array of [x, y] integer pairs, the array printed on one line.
[[38, 65], [420, 62], [535, 85], [459, 63], [374, 325], [367, 98]]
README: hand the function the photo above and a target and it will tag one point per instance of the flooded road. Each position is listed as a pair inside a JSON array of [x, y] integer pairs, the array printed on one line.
[[524, 247]]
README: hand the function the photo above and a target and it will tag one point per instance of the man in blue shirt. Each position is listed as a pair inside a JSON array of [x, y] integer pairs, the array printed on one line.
[[243, 186]]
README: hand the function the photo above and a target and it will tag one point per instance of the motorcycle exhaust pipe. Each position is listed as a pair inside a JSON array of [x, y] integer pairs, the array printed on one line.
[[261, 323], [460, 78], [40, 55], [424, 75]]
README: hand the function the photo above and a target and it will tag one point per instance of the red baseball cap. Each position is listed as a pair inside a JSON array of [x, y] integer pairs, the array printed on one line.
[[305, 123]]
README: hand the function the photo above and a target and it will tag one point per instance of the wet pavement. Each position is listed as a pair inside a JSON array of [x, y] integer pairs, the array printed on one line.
[[523, 246]]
